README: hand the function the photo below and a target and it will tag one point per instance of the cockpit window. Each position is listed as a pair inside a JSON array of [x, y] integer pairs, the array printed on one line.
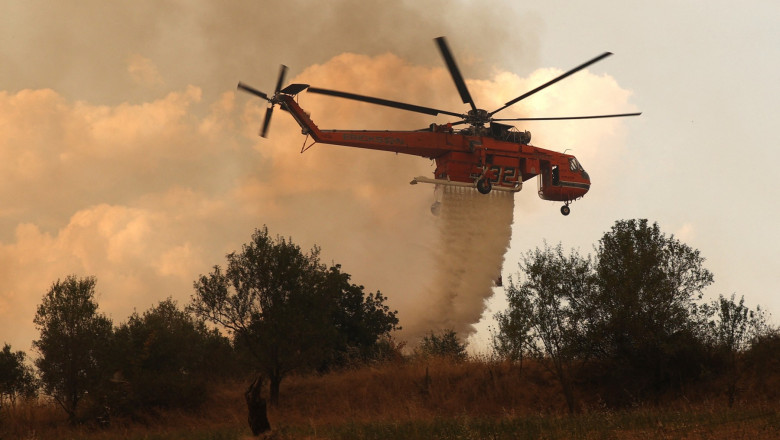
[[574, 165]]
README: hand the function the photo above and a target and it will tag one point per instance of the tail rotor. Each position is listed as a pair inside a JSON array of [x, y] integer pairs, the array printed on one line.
[[271, 100]]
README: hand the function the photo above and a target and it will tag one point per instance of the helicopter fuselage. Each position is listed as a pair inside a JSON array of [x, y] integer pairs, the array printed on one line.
[[485, 158]]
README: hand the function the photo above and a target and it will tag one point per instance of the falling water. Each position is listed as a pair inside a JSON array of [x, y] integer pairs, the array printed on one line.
[[474, 233]]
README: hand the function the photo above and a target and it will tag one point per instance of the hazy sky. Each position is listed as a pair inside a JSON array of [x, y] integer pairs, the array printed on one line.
[[127, 154]]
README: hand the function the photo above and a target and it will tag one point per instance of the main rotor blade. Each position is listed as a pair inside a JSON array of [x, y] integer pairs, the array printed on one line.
[[385, 102], [455, 72], [280, 80], [252, 90], [553, 81], [560, 118], [267, 121]]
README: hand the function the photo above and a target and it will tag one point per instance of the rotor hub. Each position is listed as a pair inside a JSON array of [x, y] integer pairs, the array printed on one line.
[[477, 117]]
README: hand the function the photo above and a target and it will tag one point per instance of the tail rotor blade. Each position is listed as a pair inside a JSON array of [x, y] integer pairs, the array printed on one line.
[[441, 42], [253, 91], [268, 113], [280, 81]]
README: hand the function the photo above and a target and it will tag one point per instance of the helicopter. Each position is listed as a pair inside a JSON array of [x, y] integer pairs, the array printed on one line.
[[486, 154]]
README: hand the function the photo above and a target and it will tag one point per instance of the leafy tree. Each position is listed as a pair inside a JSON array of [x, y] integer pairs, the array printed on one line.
[[286, 309], [629, 317], [643, 317], [360, 320], [444, 344], [734, 328], [16, 377], [165, 356], [544, 317], [513, 337], [73, 342], [269, 297], [762, 362]]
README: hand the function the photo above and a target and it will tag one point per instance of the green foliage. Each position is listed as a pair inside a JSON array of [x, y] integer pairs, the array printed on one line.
[[16, 377], [630, 315], [164, 359], [388, 349], [733, 329], [762, 362], [359, 320], [287, 310], [735, 326], [643, 318], [268, 298], [74, 341], [544, 317], [444, 344]]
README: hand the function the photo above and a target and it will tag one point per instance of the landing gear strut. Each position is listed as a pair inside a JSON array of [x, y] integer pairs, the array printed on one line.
[[565, 210]]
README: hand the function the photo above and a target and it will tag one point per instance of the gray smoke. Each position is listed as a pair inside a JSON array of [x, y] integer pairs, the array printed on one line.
[[127, 155]]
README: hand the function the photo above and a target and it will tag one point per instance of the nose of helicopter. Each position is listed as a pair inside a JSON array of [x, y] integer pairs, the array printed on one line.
[[580, 188], [586, 177]]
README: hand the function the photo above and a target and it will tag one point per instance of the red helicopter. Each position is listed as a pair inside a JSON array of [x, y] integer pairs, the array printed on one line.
[[486, 154]]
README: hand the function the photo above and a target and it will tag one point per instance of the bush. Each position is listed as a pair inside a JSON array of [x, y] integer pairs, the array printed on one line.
[[165, 359], [16, 377], [444, 345]]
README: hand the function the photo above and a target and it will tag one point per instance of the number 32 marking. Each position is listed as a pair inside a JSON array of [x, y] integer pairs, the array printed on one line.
[[504, 176]]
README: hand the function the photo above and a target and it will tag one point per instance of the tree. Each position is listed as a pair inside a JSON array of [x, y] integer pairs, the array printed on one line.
[[286, 308], [73, 342], [734, 328], [513, 337], [545, 316], [166, 356], [269, 297], [444, 345], [360, 320], [627, 319], [643, 316], [16, 377], [762, 362]]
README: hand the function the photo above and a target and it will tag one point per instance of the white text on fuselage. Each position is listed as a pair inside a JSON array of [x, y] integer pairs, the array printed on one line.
[[384, 140]]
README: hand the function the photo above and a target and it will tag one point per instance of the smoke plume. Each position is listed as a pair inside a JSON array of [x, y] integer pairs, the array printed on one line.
[[127, 154]]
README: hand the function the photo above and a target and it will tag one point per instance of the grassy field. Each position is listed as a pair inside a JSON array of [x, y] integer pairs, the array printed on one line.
[[423, 400]]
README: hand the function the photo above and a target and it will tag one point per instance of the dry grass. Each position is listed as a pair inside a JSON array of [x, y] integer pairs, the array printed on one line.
[[422, 399], [418, 390]]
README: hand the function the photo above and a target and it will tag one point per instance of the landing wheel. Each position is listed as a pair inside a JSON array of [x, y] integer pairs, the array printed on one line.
[[565, 210], [484, 186]]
